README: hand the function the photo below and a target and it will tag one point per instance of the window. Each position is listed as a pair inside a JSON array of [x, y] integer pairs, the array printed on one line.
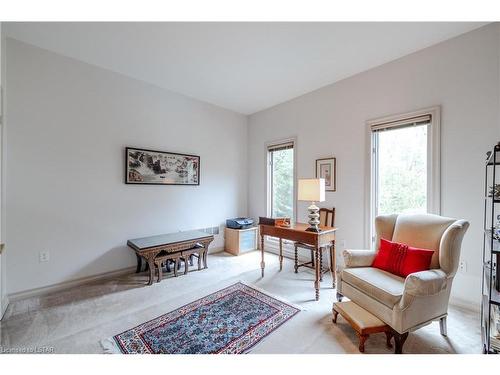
[[281, 180], [405, 164]]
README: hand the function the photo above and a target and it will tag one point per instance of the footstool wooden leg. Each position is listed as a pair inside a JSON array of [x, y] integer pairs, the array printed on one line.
[[362, 339], [335, 314]]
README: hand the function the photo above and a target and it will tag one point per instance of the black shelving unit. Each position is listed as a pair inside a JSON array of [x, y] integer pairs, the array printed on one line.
[[490, 306]]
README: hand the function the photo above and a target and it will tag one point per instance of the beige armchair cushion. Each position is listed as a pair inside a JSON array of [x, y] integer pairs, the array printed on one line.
[[380, 285], [423, 231]]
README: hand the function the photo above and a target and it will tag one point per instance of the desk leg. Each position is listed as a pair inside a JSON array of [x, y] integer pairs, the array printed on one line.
[[281, 254], [332, 263], [318, 272], [262, 264]]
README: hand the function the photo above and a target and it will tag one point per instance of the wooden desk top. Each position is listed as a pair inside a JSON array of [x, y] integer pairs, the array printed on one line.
[[167, 239], [301, 227]]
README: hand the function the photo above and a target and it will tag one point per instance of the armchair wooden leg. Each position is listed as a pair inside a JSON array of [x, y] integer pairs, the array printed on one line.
[[399, 340], [443, 327], [388, 337]]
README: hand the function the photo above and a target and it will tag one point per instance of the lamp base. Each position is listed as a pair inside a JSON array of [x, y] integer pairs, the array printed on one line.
[[313, 218], [313, 229]]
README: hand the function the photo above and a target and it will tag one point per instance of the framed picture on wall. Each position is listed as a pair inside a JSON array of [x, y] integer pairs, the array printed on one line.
[[161, 168], [326, 168]]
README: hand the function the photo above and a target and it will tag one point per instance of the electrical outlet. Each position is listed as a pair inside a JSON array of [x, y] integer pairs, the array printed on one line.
[[43, 256], [462, 266]]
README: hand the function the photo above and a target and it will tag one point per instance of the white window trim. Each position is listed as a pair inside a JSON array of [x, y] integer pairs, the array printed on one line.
[[434, 170], [271, 244]]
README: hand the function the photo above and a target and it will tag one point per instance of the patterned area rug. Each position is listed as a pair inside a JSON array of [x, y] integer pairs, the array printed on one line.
[[229, 321]]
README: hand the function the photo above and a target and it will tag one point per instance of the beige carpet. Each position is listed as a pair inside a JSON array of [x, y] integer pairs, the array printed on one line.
[[75, 320]]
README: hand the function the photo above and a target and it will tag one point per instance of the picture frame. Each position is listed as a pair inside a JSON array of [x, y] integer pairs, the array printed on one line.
[[327, 168], [152, 167]]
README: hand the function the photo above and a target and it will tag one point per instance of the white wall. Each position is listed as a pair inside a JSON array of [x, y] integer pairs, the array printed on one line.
[[3, 257], [461, 75], [68, 124]]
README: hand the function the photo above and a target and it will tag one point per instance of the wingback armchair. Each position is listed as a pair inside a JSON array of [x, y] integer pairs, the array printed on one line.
[[405, 304]]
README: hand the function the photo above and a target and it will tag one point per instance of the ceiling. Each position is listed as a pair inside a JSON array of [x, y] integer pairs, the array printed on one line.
[[244, 67]]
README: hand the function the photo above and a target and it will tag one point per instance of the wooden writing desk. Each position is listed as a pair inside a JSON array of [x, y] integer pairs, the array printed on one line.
[[297, 232], [151, 247]]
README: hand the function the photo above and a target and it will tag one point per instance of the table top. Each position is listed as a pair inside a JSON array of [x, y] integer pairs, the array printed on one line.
[[167, 239], [301, 227]]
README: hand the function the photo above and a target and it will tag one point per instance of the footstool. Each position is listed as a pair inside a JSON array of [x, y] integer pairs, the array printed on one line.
[[363, 322]]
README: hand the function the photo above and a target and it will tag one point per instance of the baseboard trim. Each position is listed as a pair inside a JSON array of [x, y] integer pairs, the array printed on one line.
[[77, 282], [5, 304], [67, 284], [465, 305]]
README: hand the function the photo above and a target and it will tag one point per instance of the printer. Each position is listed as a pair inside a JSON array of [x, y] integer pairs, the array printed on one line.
[[239, 223]]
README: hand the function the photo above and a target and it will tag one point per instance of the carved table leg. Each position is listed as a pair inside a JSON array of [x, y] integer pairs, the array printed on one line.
[[316, 282], [281, 254], [176, 263], [186, 265], [262, 264], [205, 253], [199, 260], [151, 265], [362, 339], [160, 272], [388, 336], [139, 263]]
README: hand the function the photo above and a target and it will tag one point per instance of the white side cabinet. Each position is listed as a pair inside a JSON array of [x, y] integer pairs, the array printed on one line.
[[238, 241]]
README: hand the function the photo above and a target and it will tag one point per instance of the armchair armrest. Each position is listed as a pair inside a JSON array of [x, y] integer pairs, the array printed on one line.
[[426, 283], [358, 258]]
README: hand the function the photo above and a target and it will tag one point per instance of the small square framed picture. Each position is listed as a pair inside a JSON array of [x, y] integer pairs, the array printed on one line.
[[326, 168]]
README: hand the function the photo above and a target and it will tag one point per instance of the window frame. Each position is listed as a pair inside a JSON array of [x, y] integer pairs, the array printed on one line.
[[268, 146], [433, 165]]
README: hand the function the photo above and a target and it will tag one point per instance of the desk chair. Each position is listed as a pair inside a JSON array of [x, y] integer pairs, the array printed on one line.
[[326, 218]]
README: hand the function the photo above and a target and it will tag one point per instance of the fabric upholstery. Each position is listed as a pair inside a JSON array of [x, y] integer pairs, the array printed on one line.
[[381, 285], [423, 231], [358, 258], [405, 304], [362, 318], [425, 283]]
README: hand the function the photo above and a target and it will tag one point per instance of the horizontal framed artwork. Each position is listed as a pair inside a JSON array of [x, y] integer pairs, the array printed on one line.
[[326, 168], [160, 167]]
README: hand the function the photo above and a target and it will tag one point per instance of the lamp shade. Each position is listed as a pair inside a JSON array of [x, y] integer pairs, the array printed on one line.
[[311, 189]]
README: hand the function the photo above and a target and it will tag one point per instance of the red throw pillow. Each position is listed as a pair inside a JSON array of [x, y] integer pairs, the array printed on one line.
[[400, 259]]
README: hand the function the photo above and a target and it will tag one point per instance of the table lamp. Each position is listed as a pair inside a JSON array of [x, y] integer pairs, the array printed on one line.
[[312, 190]]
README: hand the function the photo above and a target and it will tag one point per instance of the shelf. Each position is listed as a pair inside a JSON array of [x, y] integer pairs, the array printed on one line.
[[490, 198], [489, 290], [496, 243], [489, 161]]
